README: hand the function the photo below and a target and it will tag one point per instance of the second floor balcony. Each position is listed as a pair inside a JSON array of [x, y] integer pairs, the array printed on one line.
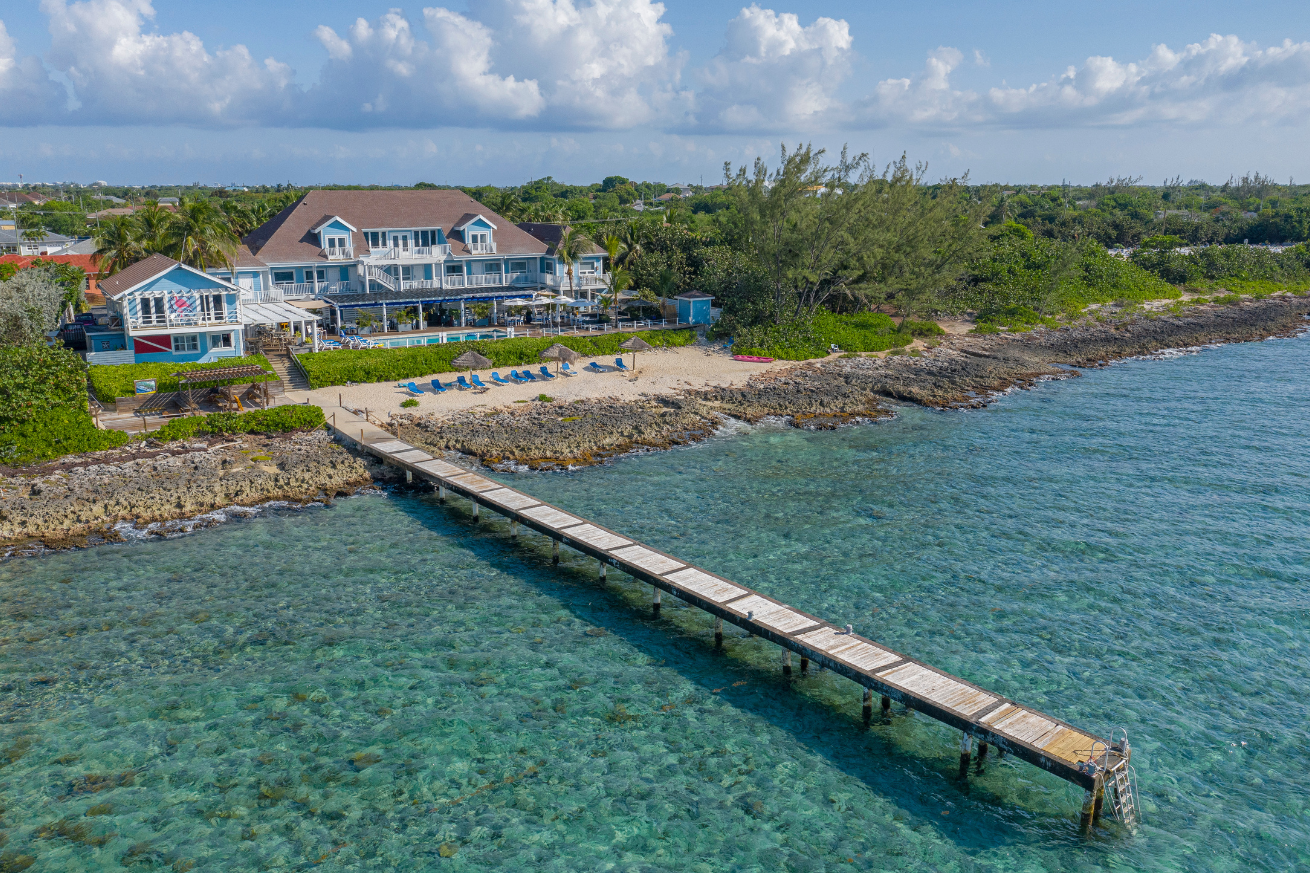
[[482, 248], [173, 317], [408, 253], [581, 281]]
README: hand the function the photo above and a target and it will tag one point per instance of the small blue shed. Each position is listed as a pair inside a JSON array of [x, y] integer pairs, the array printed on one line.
[[694, 307]]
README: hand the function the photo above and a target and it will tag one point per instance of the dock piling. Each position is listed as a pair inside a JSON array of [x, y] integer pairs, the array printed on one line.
[[886, 708], [477, 511], [513, 528], [409, 477], [441, 493], [718, 631], [805, 666], [966, 743], [868, 706], [1092, 801], [786, 662], [554, 552], [602, 571], [982, 755], [655, 602]]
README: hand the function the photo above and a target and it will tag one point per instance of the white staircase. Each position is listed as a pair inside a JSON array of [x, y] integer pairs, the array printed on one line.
[[381, 276]]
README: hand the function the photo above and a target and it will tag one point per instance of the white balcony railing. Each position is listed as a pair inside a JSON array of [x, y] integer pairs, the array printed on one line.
[[580, 281], [346, 254], [412, 253], [182, 319], [482, 248], [420, 285]]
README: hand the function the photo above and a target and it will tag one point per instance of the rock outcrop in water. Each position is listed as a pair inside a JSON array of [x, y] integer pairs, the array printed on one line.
[[963, 371], [78, 499]]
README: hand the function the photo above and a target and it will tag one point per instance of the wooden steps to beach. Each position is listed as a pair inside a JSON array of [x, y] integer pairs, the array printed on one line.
[[1079, 756]]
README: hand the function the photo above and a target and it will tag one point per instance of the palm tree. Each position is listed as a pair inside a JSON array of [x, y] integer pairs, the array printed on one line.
[[572, 245], [118, 244], [200, 235], [619, 280], [633, 234], [153, 224], [665, 285], [614, 247]]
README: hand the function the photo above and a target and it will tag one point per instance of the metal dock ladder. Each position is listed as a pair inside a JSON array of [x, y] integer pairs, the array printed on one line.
[[1123, 783]]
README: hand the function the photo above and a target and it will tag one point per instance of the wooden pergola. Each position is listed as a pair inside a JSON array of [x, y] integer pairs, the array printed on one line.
[[190, 381]]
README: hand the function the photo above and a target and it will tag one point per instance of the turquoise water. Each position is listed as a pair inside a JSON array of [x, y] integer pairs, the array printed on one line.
[[383, 685]]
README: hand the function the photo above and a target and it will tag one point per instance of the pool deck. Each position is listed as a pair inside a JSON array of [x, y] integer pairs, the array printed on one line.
[[1042, 740]]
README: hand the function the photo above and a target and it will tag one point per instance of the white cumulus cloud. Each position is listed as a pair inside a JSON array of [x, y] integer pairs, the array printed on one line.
[[27, 93], [122, 74], [1222, 80], [383, 74], [603, 63], [775, 73]]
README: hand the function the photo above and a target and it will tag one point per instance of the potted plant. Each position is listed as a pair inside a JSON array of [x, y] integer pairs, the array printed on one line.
[[365, 321]]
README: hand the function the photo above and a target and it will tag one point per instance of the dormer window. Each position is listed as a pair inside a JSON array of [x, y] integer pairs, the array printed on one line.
[[337, 242]]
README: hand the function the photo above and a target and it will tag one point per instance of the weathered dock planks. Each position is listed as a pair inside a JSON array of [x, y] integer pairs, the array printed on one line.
[[1040, 739]]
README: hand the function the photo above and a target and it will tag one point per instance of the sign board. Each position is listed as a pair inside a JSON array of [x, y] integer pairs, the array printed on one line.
[[145, 386]]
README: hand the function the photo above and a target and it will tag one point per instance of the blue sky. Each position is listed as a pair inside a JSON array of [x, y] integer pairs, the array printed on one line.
[[501, 91]]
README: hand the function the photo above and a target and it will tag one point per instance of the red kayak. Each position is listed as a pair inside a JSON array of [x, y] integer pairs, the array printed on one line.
[[752, 359]]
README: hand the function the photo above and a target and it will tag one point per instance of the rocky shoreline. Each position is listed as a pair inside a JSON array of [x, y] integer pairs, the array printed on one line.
[[962, 372], [78, 500]]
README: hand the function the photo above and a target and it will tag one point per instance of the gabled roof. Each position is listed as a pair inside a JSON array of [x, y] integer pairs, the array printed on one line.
[[468, 218], [550, 234], [694, 295], [289, 238], [328, 219], [141, 272]]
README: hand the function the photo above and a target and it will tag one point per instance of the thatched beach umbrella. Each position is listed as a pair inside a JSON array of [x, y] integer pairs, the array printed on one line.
[[560, 352], [470, 361], [635, 344]]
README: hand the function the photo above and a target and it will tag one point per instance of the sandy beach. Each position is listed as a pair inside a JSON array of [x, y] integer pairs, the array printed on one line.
[[659, 372]]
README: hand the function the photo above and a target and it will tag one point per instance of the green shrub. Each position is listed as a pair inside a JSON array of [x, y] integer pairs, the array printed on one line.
[[393, 365], [408, 403], [37, 378], [922, 328], [55, 432], [1013, 318], [279, 419], [802, 340], [111, 381]]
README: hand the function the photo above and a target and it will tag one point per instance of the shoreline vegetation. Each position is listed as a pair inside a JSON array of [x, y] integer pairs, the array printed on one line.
[[76, 500]]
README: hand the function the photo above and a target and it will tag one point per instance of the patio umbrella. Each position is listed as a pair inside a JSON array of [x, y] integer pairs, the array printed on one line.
[[635, 344], [560, 352], [470, 361]]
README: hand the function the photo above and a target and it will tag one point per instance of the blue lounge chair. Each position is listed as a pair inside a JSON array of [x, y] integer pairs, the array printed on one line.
[[527, 375], [478, 383], [463, 383], [495, 377], [438, 387], [515, 377], [413, 389], [595, 368], [618, 362], [567, 370], [547, 373]]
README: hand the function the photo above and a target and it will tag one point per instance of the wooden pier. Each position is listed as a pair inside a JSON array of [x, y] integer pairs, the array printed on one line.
[[1073, 754]]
